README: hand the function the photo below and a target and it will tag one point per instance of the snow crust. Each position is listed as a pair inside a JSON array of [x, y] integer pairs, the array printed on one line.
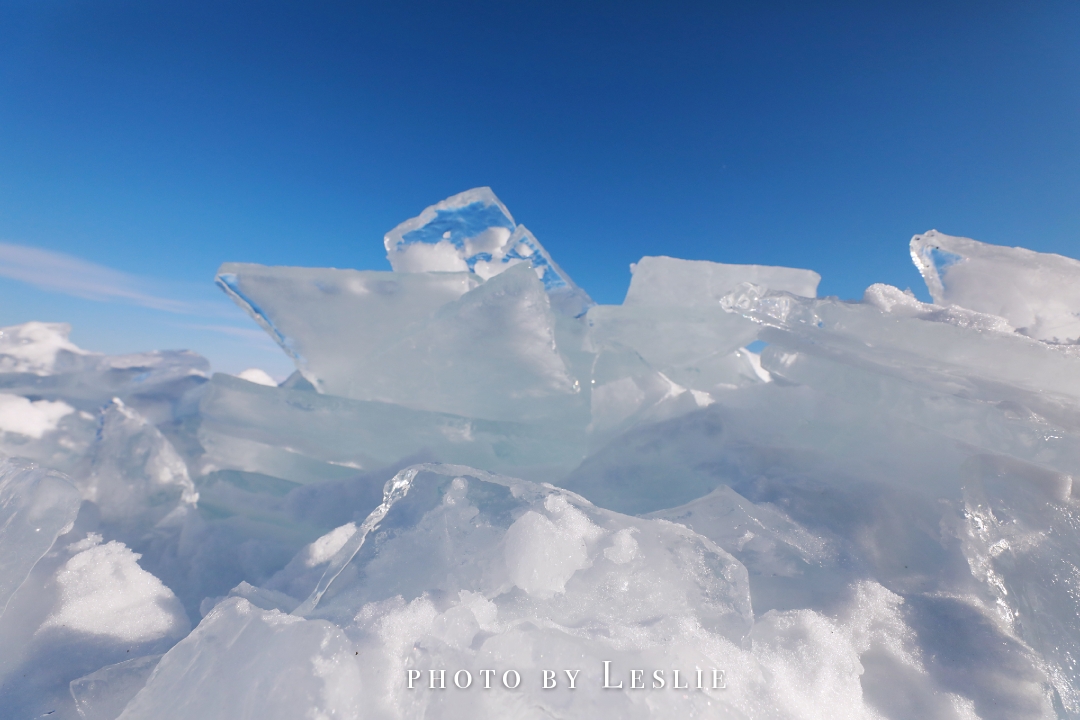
[[478, 477]]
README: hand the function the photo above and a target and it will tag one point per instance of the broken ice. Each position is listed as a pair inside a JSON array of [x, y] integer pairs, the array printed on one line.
[[475, 467]]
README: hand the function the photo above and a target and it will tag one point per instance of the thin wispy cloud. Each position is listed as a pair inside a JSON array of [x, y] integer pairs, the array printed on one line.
[[62, 273], [252, 334]]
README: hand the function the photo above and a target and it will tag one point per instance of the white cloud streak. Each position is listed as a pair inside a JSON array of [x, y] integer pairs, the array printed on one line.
[[59, 272]]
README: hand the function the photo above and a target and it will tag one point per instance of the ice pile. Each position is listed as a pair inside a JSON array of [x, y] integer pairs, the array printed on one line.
[[483, 495]]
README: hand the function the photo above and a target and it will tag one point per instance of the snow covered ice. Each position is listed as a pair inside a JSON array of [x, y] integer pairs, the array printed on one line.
[[483, 495]]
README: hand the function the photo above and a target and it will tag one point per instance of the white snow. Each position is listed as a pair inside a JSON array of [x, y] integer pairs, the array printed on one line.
[[31, 418], [257, 376], [33, 347], [103, 591]]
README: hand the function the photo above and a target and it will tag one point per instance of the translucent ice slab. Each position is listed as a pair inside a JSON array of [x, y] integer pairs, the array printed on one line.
[[103, 694], [428, 341], [473, 231], [666, 281], [953, 369], [1038, 293], [673, 319], [329, 319], [135, 476], [305, 437], [36, 506]]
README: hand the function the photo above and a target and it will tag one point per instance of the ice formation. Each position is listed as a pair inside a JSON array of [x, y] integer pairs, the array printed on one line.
[[483, 495]]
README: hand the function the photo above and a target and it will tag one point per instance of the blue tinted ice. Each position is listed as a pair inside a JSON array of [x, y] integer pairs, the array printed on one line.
[[36, 506], [474, 231]]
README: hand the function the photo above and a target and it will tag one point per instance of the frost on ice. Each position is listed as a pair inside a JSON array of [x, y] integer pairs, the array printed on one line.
[[475, 467]]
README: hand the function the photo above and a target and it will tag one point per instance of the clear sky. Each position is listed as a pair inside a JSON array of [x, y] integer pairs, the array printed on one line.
[[144, 143]]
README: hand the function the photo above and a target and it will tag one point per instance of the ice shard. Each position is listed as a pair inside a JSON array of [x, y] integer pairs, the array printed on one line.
[[473, 231], [335, 438], [425, 341], [673, 319], [36, 506], [330, 321], [103, 694], [1037, 293]]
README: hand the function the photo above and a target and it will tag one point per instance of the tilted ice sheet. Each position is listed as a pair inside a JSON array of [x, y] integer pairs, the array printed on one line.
[[427, 341], [473, 231], [672, 316], [103, 694], [1037, 293], [951, 369], [331, 321], [135, 475], [627, 391], [329, 437], [667, 281], [36, 506], [1021, 544]]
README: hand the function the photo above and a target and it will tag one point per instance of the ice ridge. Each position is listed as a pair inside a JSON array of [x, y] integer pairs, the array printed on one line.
[[482, 495]]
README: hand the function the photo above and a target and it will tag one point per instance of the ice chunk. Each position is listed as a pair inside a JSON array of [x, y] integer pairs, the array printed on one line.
[[930, 365], [468, 570], [136, 477], [754, 533], [1037, 293], [509, 533], [626, 391], [427, 341], [453, 235], [103, 694], [474, 231], [48, 414], [671, 339], [672, 317], [304, 437], [499, 337], [462, 572], [665, 281], [329, 319], [36, 507], [244, 662], [85, 605], [37, 348], [260, 597], [1019, 544]]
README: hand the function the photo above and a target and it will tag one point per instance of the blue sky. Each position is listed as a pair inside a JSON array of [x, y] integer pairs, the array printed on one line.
[[153, 141]]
